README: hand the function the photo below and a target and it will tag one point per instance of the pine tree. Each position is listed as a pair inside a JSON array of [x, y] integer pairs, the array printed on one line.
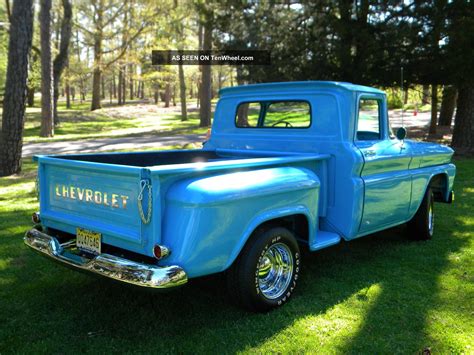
[[47, 119], [11, 136]]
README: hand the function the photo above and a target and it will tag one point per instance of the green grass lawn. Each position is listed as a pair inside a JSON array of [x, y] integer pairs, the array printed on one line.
[[132, 119], [379, 294]]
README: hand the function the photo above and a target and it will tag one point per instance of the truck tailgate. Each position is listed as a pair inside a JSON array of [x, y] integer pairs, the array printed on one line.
[[101, 198]]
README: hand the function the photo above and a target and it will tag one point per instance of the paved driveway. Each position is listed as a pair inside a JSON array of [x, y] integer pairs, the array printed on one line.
[[97, 145], [409, 119]]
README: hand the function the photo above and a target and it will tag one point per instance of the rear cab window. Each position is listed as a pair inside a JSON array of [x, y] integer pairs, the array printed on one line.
[[273, 114]]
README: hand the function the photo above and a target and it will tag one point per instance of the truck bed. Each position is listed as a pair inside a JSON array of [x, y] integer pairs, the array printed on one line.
[[100, 192], [143, 159]]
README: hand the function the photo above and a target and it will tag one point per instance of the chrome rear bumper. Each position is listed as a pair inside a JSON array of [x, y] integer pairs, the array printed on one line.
[[107, 265]]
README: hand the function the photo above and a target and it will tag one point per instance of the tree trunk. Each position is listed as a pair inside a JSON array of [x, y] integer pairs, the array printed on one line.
[[11, 137], [61, 58], [198, 96], [448, 105], [31, 96], [200, 42], [213, 90], [130, 81], [47, 89], [434, 109], [124, 84], [425, 95], [68, 94], [361, 39], [81, 83], [463, 134], [242, 115], [119, 87], [345, 32], [156, 95], [73, 93], [102, 87], [182, 93], [122, 67], [205, 92], [114, 86], [142, 90], [96, 76], [200, 35], [97, 73], [82, 95], [167, 94]]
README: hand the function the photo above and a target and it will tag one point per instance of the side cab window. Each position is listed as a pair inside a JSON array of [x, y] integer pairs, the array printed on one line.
[[369, 119]]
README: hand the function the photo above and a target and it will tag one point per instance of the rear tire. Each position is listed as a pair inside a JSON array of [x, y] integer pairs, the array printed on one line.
[[264, 275], [421, 226]]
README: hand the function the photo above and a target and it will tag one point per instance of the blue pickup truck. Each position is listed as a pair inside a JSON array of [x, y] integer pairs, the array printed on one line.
[[287, 166]]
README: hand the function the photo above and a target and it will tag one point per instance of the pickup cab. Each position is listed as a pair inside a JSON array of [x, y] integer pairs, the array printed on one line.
[[287, 166]]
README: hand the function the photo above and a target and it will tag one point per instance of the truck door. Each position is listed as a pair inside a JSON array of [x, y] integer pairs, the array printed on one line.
[[387, 181]]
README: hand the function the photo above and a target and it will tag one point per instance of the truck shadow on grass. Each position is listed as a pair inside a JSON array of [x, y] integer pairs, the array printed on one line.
[[65, 311]]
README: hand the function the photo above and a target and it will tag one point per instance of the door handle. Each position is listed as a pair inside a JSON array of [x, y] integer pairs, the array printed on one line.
[[369, 153]]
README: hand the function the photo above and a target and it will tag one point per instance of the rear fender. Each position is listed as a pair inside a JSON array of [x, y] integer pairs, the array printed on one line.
[[268, 217], [208, 219]]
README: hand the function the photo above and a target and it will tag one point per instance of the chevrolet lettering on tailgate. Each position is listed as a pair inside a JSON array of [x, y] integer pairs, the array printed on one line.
[[91, 196]]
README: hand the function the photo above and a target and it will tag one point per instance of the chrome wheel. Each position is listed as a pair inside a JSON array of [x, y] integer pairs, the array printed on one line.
[[421, 226], [431, 219], [275, 270]]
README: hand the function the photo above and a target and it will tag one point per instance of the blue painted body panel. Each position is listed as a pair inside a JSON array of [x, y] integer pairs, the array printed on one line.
[[206, 203], [226, 208]]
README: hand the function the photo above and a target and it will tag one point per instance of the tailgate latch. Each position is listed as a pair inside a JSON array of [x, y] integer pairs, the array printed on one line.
[[145, 185]]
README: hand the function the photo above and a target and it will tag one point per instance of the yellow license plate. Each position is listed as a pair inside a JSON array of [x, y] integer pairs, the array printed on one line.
[[88, 241]]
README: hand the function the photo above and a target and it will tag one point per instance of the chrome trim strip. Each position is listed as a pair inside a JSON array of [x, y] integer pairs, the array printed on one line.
[[107, 265]]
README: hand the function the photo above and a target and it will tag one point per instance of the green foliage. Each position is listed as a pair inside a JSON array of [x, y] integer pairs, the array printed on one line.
[[34, 74], [460, 42], [379, 294], [365, 42], [394, 101]]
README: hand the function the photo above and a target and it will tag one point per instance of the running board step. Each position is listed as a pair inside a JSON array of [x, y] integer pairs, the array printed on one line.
[[325, 239]]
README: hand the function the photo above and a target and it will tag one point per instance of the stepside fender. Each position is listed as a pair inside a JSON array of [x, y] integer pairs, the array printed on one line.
[[311, 217], [208, 219]]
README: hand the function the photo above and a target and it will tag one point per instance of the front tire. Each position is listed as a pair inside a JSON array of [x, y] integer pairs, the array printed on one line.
[[421, 226], [264, 275]]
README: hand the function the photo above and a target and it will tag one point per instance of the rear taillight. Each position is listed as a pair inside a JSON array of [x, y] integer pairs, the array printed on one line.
[[160, 251]]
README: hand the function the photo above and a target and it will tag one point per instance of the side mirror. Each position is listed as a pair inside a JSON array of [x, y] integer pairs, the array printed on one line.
[[401, 133]]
